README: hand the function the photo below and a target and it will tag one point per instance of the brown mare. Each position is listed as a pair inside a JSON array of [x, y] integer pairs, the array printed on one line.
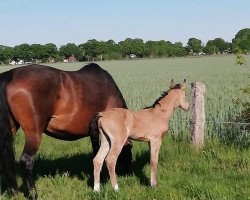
[[59, 103], [150, 125]]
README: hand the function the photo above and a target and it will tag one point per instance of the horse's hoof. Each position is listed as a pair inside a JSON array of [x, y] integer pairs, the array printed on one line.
[[32, 194], [13, 192]]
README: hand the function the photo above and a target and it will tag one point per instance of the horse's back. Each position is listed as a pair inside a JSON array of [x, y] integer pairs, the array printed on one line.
[[61, 103]]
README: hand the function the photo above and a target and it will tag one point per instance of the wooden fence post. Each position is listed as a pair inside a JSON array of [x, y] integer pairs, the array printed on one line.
[[197, 114]]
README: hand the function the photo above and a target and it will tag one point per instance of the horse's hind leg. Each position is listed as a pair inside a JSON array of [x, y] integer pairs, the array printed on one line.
[[27, 159]]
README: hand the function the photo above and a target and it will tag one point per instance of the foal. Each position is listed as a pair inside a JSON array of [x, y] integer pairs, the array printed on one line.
[[149, 125]]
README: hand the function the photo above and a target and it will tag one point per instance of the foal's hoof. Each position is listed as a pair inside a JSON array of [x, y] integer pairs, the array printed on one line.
[[153, 184], [97, 188], [116, 188]]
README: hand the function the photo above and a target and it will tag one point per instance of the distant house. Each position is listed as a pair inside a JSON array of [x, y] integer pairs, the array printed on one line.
[[13, 62], [132, 56], [51, 60], [20, 62], [227, 51], [72, 58]]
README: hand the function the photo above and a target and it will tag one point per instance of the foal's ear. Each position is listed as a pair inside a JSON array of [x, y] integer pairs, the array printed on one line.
[[172, 84], [184, 84]]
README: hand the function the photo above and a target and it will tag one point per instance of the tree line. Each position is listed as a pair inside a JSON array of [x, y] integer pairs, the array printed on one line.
[[110, 50]]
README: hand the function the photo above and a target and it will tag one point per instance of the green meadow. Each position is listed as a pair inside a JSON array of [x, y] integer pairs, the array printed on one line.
[[221, 170]]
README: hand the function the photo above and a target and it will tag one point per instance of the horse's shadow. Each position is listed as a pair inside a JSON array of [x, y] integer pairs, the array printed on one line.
[[81, 166], [78, 165]]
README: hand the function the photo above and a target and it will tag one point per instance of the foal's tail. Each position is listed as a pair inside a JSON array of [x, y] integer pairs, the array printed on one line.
[[7, 156], [93, 126], [94, 133]]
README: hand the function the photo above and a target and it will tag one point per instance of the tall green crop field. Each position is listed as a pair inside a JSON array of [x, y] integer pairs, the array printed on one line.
[[64, 170]]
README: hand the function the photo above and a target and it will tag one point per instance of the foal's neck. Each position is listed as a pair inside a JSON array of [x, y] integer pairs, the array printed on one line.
[[166, 106]]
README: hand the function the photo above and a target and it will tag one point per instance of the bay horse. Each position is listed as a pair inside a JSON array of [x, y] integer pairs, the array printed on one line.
[[59, 103], [149, 125]]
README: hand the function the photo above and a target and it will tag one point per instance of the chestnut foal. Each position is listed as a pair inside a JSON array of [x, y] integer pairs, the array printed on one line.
[[150, 125]]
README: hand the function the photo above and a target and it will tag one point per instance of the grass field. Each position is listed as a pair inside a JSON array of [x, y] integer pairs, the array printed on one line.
[[63, 170]]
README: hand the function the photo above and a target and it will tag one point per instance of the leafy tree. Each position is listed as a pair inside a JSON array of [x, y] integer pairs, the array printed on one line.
[[52, 50], [24, 52], [91, 49], [101, 48], [164, 48], [137, 47], [210, 48], [39, 52], [178, 50], [6, 53], [151, 49], [69, 50], [126, 46], [242, 40], [194, 45], [112, 51], [216, 45]]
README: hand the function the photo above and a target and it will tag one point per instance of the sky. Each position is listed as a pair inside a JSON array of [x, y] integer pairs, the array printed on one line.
[[77, 21]]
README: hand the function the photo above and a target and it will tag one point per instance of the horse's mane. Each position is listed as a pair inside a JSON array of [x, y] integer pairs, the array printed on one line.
[[177, 86]]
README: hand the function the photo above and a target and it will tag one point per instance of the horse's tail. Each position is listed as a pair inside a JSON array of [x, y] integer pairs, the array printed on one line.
[[7, 156], [94, 133]]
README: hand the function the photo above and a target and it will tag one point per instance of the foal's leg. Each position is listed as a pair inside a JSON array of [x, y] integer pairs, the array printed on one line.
[[32, 144], [155, 145], [111, 159], [98, 160]]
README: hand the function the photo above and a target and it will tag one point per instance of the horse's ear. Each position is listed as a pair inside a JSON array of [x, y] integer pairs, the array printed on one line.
[[172, 84], [184, 84]]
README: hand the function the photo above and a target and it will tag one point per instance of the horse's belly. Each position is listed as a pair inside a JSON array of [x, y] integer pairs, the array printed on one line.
[[74, 127]]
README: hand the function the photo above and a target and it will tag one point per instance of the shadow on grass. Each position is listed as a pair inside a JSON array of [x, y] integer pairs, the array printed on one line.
[[138, 165], [81, 166], [78, 165]]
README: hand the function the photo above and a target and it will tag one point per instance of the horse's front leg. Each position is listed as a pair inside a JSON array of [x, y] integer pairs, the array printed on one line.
[[27, 165], [155, 145], [27, 159]]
